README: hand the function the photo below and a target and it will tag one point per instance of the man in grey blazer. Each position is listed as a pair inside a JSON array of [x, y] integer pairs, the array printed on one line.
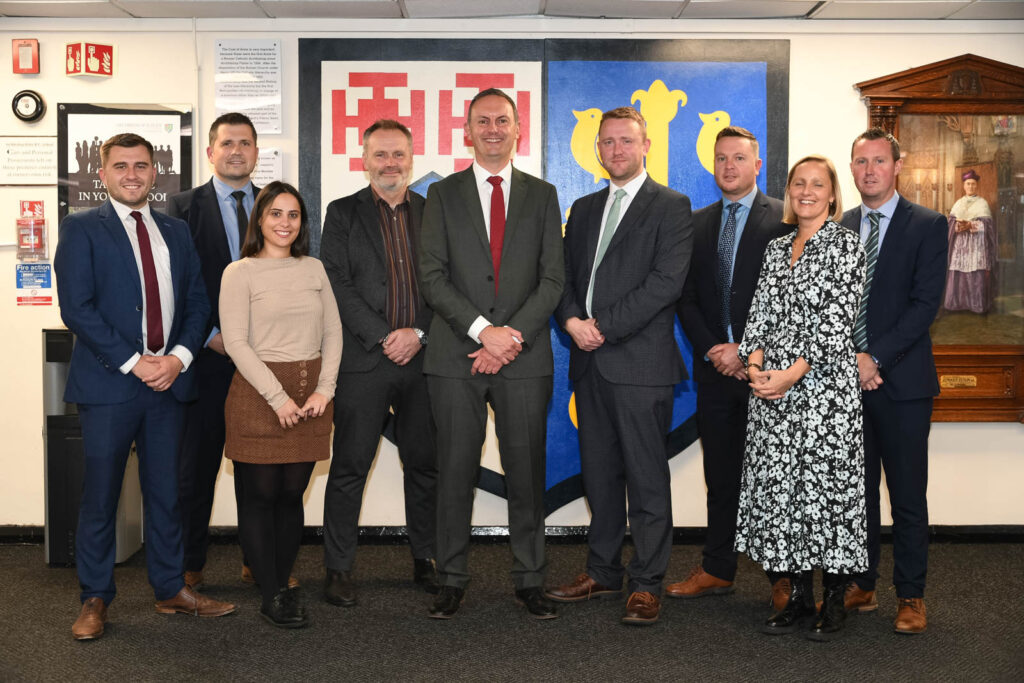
[[730, 237], [627, 251], [491, 269], [370, 247]]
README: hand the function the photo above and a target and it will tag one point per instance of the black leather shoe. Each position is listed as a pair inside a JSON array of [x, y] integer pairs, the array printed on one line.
[[535, 603], [424, 574], [799, 607], [340, 589], [447, 603], [285, 610], [832, 616]]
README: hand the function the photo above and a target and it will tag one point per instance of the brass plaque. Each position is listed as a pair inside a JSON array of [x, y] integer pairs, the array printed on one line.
[[958, 381]]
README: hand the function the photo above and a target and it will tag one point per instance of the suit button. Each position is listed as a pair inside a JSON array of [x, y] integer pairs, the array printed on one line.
[[490, 310], [138, 340], [490, 278], [138, 308]]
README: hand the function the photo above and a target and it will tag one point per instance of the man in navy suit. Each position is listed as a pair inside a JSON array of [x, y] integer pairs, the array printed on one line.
[[627, 251], [217, 214], [730, 237], [897, 371], [129, 287]]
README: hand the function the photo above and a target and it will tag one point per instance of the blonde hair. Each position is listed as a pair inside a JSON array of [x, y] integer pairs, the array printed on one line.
[[835, 208]]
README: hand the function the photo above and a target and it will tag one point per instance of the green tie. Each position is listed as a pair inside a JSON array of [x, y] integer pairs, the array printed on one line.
[[606, 238], [860, 329]]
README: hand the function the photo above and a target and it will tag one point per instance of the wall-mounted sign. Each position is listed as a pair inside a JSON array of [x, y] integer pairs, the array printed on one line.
[[90, 59]]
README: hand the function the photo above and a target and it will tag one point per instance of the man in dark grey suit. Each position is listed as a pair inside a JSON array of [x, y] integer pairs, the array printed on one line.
[[217, 214], [627, 251], [491, 269], [369, 249], [906, 246], [730, 237]]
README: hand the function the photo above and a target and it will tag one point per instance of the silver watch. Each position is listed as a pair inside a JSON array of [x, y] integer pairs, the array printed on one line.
[[421, 335]]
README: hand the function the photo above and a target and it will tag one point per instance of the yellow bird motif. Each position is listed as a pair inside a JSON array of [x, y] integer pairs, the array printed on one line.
[[706, 139], [584, 142]]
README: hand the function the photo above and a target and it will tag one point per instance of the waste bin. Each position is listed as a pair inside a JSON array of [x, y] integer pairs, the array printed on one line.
[[65, 464]]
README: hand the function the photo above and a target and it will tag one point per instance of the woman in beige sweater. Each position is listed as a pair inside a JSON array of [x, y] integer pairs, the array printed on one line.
[[281, 328]]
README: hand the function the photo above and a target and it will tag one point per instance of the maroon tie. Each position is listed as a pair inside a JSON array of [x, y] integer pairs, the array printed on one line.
[[154, 316], [497, 225]]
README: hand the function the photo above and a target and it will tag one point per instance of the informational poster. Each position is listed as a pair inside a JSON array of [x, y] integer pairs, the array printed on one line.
[[28, 160], [248, 80], [269, 167], [34, 284], [83, 128]]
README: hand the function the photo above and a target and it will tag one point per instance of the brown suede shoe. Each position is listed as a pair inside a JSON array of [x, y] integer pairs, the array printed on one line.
[[89, 624], [858, 600], [194, 580], [780, 593], [582, 588], [247, 577], [642, 609], [912, 617], [698, 584], [188, 601]]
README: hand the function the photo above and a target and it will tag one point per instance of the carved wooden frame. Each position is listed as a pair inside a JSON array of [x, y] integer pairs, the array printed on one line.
[[979, 382]]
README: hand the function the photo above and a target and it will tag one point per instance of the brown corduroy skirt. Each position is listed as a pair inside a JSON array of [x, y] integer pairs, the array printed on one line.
[[254, 433]]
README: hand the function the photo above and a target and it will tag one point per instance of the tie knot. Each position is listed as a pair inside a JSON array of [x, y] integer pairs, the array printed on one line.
[[495, 180], [874, 217], [137, 216], [619, 194], [733, 207], [239, 195]]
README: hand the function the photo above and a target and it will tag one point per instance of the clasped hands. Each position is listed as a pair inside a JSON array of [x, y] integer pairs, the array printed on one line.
[[584, 333], [500, 346], [727, 361], [158, 372], [401, 345], [772, 385], [867, 371], [290, 413]]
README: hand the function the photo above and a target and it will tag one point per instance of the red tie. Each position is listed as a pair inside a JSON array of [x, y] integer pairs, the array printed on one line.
[[154, 316], [497, 225]]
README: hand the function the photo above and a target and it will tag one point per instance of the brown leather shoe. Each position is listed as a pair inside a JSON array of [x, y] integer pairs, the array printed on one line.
[[912, 617], [781, 590], [247, 577], [89, 624], [188, 601], [583, 587], [194, 580], [698, 584], [858, 601], [642, 609]]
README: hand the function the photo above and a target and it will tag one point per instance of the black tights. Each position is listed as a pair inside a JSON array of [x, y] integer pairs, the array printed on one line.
[[270, 527]]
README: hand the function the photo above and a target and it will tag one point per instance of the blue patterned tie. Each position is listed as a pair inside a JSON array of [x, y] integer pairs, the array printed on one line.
[[860, 330], [726, 241]]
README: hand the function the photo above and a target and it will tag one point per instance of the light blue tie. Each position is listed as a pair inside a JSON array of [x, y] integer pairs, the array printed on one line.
[[606, 237], [860, 330]]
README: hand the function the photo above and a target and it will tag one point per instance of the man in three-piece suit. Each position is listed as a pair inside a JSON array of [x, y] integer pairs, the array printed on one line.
[[906, 247], [217, 214], [491, 269], [627, 251], [730, 237], [130, 290], [369, 249]]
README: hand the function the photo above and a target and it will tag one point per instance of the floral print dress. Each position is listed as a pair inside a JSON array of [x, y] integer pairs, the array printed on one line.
[[802, 493]]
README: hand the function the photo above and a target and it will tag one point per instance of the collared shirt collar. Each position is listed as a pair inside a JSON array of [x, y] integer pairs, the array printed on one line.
[[632, 187], [746, 201], [482, 174], [123, 211], [887, 209], [224, 190], [378, 199]]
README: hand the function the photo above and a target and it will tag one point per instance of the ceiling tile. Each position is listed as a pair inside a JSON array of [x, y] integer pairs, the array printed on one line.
[[992, 9], [202, 9], [62, 8], [889, 9], [422, 9], [747, 9], [346, 9], [638, 9]]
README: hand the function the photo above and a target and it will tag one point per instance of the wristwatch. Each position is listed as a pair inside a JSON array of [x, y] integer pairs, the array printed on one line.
[[421, 335]]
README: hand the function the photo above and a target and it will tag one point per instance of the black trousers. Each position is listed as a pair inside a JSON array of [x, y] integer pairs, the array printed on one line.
[[896, 438], [623, 431], [520, 420], [722, 425], [361, 405], [202, 448]]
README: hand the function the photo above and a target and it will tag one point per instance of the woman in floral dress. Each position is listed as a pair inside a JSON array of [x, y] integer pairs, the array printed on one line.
[[802, 497]]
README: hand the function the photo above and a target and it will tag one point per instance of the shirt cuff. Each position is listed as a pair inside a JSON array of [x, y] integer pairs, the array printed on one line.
[[130, 363], [477, 327], [213, 333], [182, 354]]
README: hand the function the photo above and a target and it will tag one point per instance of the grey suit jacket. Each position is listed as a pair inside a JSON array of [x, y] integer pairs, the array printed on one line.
[[636, 286], [352, 250], [457, 275]]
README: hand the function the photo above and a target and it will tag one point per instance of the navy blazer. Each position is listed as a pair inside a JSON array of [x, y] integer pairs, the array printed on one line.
[[100, 294], [199, 208], [639, 282], [699, 310], [906, 291], [352, 250]]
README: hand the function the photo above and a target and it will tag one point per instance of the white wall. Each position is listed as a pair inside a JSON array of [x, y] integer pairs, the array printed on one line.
[[975, 468]]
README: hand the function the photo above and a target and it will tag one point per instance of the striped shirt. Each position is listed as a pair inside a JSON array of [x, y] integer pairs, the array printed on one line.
[[402, 292]]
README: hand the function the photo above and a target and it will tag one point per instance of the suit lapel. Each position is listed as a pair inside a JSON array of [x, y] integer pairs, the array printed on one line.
[[593, 225], [518, 195], [112, 224], [471, 197], [637, 206], [206, 198], [889, 251], [369, 220]]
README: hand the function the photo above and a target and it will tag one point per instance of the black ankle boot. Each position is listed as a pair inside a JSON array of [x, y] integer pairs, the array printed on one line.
[[832, 616], [799, 607], [285, 610]]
